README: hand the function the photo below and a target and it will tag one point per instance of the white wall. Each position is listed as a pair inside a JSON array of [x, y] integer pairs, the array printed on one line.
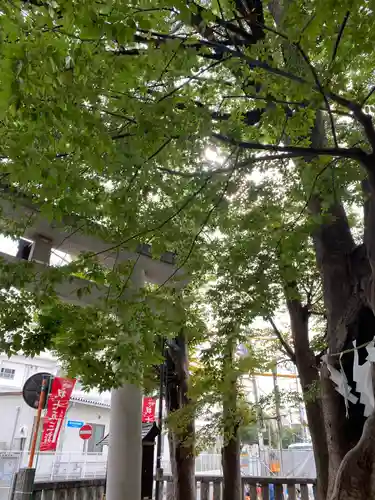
[[8, 415], [69, 438], [24, 368]]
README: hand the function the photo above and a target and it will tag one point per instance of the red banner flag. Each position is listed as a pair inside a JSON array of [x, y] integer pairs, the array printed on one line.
[[58, 402], [148, 410]]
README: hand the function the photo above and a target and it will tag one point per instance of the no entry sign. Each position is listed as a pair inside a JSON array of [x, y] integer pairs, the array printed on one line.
[[85, 431]]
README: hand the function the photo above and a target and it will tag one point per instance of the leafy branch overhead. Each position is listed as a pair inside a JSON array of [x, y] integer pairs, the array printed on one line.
[[185, 126]]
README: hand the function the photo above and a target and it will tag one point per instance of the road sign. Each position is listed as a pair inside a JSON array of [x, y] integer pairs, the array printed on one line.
[[85, 431], [76, 424], [32, 388]]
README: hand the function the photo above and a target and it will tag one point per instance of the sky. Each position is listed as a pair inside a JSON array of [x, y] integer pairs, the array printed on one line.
[[9, 246]]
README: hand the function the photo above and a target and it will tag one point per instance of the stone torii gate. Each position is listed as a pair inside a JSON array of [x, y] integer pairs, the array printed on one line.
[[125, 444]]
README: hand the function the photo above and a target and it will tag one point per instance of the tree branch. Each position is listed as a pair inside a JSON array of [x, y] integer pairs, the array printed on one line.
[[219, 50], [222, 49], [241, 165], [249, 38], [321, 90], [151, 157], [162, 224], [354, 153], [363, 118], [339, 36], [342, 27], [300, 104], [122, 136], [203, 70], [368, 96], [289, 351], [313, 71], [203, 225]]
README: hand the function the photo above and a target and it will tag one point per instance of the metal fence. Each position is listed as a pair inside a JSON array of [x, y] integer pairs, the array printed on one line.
[[51, 467], [264, 463]]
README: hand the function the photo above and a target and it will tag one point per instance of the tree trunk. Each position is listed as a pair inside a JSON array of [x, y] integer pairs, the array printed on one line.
[[345, 295], [309, 377], [231, 469], [185, 469], [333, 409], [356, 475], [353, 319], [231, 448], [348, 275], [347, 285], [183, 438]]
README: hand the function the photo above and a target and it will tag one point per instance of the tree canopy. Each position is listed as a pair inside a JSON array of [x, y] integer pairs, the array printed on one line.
[[176, 124], [237, 135]]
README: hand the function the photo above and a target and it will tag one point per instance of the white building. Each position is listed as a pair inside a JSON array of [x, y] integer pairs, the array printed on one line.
[[17, 418]]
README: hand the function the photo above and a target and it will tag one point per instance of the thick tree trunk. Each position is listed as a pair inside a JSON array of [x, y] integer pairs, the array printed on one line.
[[348, 274], [231, 469], [309, 377], [185, 469], [356, 475], [333, 409], [182, 439], [348, 289], [348, 285], [231, 448], [336, 257], [334, 247]]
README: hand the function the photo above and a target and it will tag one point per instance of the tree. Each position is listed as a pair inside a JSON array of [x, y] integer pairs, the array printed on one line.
[[225, 358], [257, 247], [290, 435], [178, 403], [249, 434], [107, 110], [218, 385]]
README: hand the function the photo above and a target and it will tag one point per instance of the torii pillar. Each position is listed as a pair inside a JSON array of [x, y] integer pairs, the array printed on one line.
[[124, 467]]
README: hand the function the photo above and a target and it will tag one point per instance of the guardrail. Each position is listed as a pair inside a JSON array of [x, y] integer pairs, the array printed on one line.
[[208, 488]]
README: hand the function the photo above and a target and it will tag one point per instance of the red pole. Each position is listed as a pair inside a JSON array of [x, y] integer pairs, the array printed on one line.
[[42, 399]]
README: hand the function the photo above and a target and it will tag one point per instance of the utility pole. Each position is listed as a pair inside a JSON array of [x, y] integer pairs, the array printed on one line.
[[278, 414], [301, 411], [258, 414]]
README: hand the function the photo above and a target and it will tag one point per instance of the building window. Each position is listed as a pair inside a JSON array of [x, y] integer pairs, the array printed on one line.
[[7, 373], [90, 446]]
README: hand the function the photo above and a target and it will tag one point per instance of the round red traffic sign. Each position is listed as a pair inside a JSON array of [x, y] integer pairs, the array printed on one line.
[[85, 431]]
